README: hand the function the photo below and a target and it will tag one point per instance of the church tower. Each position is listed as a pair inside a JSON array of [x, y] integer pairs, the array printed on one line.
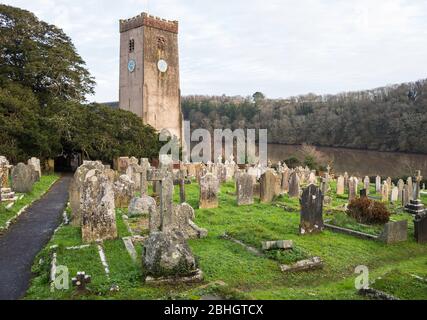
[[149, 72]]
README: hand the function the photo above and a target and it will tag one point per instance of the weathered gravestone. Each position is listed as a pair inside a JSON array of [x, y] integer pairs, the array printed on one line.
[[294, 185], [245, 189], [385, 192], [22, 178], [145, 166], [410, 188], [394, 194], [395, 232], [366, 184], [340, 186], [378, 184], [98, 210], [352, 188], [123, 164], [209, 188], [37, 167], [268, 186], [76, 187], [124, 191], [400, 185], [311, 210], [166, 252], [143, 205], [285, 180]]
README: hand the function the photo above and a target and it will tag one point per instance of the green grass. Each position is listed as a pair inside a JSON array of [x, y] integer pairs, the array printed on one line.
[[246, 275], [39, 189]]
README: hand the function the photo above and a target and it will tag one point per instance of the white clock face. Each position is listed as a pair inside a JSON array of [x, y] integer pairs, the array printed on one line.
[[162, 65], [131, 65]]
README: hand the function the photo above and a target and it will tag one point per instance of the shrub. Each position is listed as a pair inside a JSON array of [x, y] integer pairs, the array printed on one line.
[[368, 211]]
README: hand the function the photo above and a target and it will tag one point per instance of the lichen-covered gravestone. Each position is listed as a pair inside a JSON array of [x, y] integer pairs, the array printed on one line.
[[98, 210], [209, 188], [245, 189], [124, 191], [143, 205], [76, 186], [22, 178], [311, 210], [37, 167], [167, 255]]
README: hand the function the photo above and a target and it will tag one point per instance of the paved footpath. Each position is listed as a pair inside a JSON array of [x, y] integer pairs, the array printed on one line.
[[27, 236]]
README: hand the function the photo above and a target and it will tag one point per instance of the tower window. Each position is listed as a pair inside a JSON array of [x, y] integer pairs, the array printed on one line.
[[131, 45]]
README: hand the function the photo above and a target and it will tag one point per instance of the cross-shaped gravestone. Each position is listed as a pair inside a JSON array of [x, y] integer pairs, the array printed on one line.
[[80, 281], [165, 180], [417, 188], [180, 180]]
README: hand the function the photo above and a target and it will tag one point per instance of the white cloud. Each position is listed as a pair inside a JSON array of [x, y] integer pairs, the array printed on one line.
[[281, 47]]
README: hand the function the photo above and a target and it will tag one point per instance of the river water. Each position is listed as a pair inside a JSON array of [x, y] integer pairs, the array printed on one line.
[[360, 162]]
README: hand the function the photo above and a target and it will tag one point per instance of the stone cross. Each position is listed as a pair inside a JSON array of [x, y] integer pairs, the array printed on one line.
[[165, 180], [417, 188], [80, 281], [180, 181]]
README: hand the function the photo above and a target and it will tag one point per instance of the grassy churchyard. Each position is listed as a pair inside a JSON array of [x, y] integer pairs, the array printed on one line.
[[233, 272]]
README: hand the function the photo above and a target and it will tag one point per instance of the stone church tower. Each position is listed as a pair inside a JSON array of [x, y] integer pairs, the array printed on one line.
[[149, 72]]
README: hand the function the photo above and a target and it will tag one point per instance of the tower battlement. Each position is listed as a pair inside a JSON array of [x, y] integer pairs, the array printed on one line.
[[144, 19]]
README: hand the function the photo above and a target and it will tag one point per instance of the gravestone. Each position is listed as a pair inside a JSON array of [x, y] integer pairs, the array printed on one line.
[[98, 209], [352, 188], [294, 185], [311, 210], [180, 181], [123, 164], [415, 207], [340, 186], [37, 167], [134, 171], [394, 232], [312, 179], [245, 189], [22, 178], [324, 185], [405, 195], [363, 193], [394, 194], [420, 224], [378, 184], [143, 205], [76, 187], [183, 220], [346, 180], [80, 281], [389, 183], [366, 184], [400, 185], [124, 191], [166, 252], [417, 186], [285, 180], [410, 188], [385, 192], [268, 186], [209, 188]]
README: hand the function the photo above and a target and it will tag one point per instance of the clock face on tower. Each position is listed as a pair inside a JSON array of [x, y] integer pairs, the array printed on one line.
[[162, 65], [131, 65]]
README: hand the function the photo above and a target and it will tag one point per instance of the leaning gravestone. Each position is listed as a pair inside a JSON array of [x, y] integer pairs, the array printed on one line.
[[268, 186], [311, 210], [209, 187], [98, 210], [245, 189], [22, 178], [294, 186]]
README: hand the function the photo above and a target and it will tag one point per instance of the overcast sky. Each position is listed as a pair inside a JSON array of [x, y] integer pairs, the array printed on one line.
[[237, 47]]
